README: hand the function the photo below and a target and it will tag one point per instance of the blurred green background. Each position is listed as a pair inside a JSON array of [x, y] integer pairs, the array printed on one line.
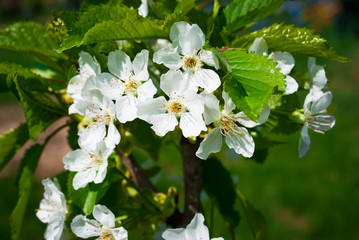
[[316, 197]]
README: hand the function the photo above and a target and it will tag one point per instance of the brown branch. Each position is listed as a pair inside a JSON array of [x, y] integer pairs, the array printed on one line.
[[192, 180], [137, 174]]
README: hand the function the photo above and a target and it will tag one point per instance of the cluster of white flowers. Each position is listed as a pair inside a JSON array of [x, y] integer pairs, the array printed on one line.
[[127, 93]]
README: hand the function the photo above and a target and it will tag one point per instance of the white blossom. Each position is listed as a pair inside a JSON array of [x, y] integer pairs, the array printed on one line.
[[316, 74], [315, 117], [89, 68], [194, 231], [189, 56], [89, 163], [284, 59], [183, 104], [103, 227], [227, 125], [101, 110], [128, 84], [143, 9], [52, 210]]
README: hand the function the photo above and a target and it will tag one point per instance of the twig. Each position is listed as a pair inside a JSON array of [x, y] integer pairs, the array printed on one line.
[[48, 138]]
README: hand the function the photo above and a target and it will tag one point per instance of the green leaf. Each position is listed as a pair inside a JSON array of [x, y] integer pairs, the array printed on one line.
[[221, 189], [26, 173], [252, 81], [39, 114], [281, 37], [254, 217], [242, 12], [11, 142], [34, 40], [184, 6], [86, 198], [106, 23]]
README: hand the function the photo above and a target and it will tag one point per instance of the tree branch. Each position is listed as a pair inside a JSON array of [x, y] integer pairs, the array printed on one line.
[[192, 180], [137, 174]]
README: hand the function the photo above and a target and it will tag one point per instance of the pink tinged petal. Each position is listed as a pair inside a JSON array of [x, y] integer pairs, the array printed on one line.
[[77, 160], [163, 123], [113, 136], [101, 173], [229, 106], [192, 124], [126, 109], [92, 134], [168, 57], [140, 66], [174, 82], [212, 143], [146, 90], [102, 214], [317, 74], [211, 108], [209, 58], [207, 79], [175, 31], [285, 61], [119, 63], [292, 85], [119, 233], [81, 179], [196, 229], [321, 123], [241, 143], [171, 234], [89, 64], [147, 109], [191, 40], [143, 9], [259, 47], [322, 103], [54, 230], [304, 141], [85, 228]]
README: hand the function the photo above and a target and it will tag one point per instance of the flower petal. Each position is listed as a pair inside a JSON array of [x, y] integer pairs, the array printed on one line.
[[101, 173], [81, 179], [119, 63], [207, 79], [140, 65], [196, 229], [229, 106], [77, 160], [304, 141], [88, 65], [212, 143], [171, 234], [191, 40], [146, 109], [108, 84], [192, 124], [241, 143], [85, 228], [174, 82], [168, 57], [92, 134], [176, 30], [322, 103], [102, 214], [146, 91], [211, 108], [321, 123], [54, 230], [259, 47], [292, 85], [163, 123], [126, 108], [317, 74], [143, 9], [119, 233], [209, 58], [285, 61]]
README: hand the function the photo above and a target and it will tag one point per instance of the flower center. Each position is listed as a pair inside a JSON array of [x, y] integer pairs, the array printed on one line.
[[103, 116], [106, 234], [191, 63], [175, 106], [131, 85], [228, 125]]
